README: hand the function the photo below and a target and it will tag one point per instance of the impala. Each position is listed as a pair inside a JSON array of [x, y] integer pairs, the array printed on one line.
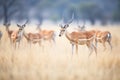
[[33, 38], [48, 35], [16, 35], [101, 37], [78, 38]]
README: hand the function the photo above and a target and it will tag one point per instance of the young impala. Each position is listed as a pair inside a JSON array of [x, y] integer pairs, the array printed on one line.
[[103, 37], [78, 38], [16, 36]]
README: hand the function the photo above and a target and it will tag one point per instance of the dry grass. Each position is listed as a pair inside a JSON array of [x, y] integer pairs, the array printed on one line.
[[56, 63]]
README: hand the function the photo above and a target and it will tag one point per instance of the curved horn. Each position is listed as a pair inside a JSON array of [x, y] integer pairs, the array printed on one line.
[[71, 20], [62, 21], [78, 20], [26, 21]]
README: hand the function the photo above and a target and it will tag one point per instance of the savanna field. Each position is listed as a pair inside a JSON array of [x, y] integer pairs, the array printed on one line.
[[55, 61]]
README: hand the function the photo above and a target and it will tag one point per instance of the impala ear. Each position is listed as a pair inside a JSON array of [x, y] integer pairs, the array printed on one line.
[[24, 25], [67, 25], [8, 24], [18, 25]]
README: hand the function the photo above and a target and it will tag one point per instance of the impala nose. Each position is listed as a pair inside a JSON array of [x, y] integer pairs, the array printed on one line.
[[59, 35]]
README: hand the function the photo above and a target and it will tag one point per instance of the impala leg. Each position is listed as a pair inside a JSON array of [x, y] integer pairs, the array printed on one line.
[[77, 49], [95, 49], [110, 45], [15, 45], [0, 41], [39, 43], [104, 46], [41, 46], [18, 44], [72, 48], [53, 40], [29, 43], [90, 46], [96, 43], [50, 43]]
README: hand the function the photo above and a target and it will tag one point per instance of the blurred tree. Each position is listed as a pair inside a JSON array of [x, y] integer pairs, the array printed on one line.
[[13, 9], [116, 13], [8, 9], [90, 11]]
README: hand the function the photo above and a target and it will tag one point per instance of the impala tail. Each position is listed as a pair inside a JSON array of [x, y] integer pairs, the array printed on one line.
[[109, 37], [0, 35]]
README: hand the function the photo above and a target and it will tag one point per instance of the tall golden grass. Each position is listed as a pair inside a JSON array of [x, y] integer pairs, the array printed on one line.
[[56, 62]]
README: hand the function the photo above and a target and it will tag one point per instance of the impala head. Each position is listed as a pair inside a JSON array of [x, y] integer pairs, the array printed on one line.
[[21, 27], [62, 30], [65, 26], [82, 28]]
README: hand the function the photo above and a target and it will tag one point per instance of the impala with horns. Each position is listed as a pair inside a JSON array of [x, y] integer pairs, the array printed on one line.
[[48, 35], [16, 35], [78, 38], [101, 37]]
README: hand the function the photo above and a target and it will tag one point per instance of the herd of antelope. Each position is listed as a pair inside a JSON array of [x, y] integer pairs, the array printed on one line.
[[90, 38]]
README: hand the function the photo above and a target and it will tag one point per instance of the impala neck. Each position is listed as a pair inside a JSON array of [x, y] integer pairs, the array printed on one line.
[[20, 33], [9, 31], [26, 35], [67, 34]]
